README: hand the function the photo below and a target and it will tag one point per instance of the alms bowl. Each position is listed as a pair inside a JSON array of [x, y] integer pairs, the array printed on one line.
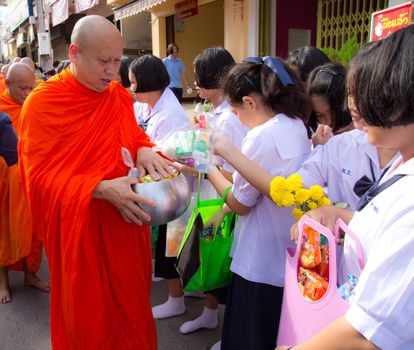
[[171, 197]]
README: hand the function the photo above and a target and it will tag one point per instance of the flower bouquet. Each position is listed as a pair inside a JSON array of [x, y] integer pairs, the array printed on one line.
[[287, 192]]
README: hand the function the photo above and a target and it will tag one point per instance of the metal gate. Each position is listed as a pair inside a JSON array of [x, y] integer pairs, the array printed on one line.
[[339, 20]]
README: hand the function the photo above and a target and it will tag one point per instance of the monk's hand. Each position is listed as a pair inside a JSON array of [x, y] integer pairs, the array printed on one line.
[[119, 193], [153, 163]]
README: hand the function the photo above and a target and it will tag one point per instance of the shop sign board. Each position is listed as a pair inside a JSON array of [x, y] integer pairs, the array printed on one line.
[[185, 8], [390, 20]]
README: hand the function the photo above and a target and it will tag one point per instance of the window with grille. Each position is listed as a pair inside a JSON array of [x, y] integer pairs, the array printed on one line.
[[339, 20]]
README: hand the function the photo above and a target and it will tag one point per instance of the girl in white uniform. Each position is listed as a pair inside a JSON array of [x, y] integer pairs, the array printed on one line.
[[160, 116], [267, 98], [210, 67], [382, 314]]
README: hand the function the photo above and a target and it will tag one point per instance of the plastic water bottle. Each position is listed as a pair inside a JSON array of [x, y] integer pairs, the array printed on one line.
[[201, 152]]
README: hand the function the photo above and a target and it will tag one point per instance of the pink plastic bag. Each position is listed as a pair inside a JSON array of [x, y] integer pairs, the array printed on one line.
[[301, 319]]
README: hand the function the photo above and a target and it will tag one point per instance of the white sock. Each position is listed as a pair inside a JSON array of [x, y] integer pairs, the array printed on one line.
[[173, 307], [207, 319], [216, 346]]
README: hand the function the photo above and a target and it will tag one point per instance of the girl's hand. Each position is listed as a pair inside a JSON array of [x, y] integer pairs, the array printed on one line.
[[322, 134], [219, 143], [326, 216]]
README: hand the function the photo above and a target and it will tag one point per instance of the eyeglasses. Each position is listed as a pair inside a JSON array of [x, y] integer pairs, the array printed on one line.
[[276, 65]]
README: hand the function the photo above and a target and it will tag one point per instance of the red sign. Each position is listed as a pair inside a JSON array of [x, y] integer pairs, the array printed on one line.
[[390, 20], [186, 8]]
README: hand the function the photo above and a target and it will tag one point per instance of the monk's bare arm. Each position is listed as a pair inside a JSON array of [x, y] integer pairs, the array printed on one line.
[[119, 193], [339, 335]]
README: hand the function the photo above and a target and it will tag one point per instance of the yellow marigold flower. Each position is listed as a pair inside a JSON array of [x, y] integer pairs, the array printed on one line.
[[293, 183], [288, 199], [278, 184], [302, 195], [276, 197], [316, 192], [297, 213], [312, 205], [325, 201]]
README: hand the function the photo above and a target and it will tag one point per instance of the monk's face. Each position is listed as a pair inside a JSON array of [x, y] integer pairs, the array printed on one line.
[[96, 65], [19, 87]]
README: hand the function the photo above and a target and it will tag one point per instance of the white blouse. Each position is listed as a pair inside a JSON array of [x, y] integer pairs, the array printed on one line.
[[383, 310], [280, 146]]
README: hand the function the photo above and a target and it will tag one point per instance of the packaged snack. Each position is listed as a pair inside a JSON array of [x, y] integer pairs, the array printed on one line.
[[323, 268], [347, 290], [201, 152], [312, 286], [310, 255]]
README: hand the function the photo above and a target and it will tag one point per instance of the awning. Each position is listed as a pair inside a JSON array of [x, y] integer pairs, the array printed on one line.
[[135, 8]]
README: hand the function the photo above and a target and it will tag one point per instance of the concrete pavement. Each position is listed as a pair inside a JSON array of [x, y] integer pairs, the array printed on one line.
[[24, 323]]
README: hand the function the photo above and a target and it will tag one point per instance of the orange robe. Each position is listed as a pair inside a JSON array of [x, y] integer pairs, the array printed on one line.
[[2, 85], [100, 265], [16, 236]]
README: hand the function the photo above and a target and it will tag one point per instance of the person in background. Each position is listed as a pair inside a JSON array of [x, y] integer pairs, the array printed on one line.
[[176, 71], [20, 248], [123, 72], [8, 158], [62, 65], [326, 89], [305, 59]]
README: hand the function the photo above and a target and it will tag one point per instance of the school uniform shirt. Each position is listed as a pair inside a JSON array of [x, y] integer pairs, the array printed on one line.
[[340, 163], [223, 119], [383, 309], [259, 248], [167, 117]]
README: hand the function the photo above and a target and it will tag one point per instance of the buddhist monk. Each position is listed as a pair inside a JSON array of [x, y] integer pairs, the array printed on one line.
[[3, 72], [99, 253], [19, 249], [31, 64], [4, 69]]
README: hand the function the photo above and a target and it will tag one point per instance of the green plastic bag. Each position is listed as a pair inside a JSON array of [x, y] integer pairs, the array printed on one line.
[[204, 264]]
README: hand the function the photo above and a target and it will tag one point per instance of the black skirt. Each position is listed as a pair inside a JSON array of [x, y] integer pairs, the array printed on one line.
[[164, 266], [251, 318]]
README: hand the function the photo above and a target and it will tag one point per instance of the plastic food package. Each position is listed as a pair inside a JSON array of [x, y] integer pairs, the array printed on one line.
[[323, 268], [347, 290], [176, 230], [312, 286], [310, 255]]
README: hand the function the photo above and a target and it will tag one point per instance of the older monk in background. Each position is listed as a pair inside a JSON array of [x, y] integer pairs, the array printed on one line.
[[3, 72], [99, 252], [19, 249], [31, 64]]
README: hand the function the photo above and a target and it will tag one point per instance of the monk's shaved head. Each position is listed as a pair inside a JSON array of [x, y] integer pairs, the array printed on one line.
[[88, 28], [4, 69], [19, 81], [29, 62], [95, 52]]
